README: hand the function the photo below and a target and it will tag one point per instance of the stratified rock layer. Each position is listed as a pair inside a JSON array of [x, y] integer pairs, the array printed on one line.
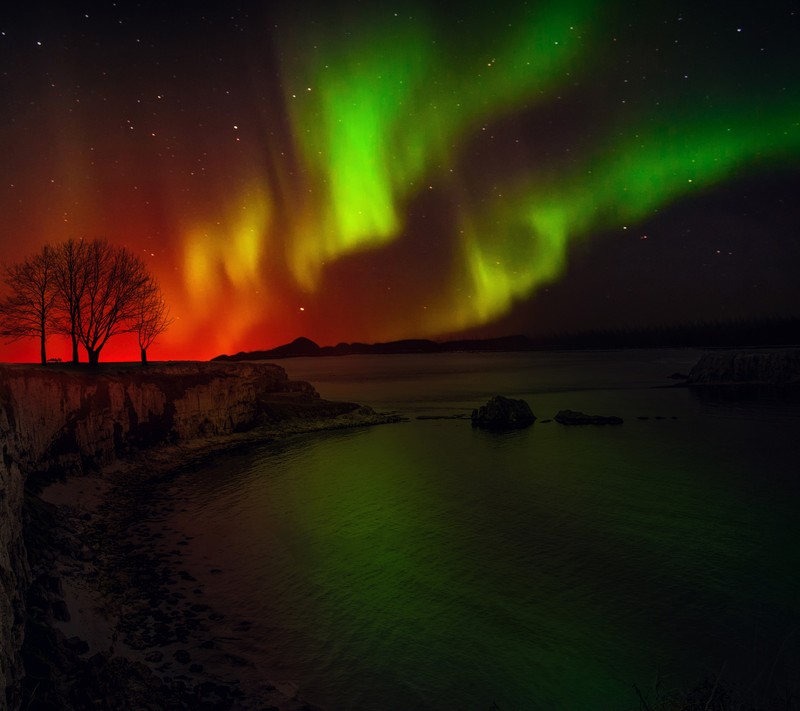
[[70, 420]]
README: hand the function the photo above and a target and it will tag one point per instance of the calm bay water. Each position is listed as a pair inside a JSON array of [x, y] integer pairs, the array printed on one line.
[[428, 565]]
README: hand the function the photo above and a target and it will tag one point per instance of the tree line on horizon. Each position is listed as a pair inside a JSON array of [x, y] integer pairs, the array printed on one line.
[[86, 290]]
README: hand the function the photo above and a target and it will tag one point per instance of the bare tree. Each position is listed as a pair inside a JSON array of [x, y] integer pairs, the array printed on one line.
[[88, 291], [70, 275], [115, 279], [152, 316], [26, 311]]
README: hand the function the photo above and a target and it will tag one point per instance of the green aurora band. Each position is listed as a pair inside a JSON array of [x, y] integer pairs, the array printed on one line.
[[521, 243], [376, 112], [382, 109]]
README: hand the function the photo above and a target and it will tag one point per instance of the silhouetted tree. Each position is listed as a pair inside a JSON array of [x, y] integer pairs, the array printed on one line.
[[26, 311], [88, 291], [70, 276], [152, 316], [115, 279]]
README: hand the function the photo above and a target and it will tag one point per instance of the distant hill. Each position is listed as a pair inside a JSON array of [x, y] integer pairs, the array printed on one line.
[[304, 347], [762, 333]]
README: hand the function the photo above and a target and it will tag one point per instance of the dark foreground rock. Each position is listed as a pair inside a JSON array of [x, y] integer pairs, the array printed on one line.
[[151, 641], [502, 413], [63, 673], [573, 417]]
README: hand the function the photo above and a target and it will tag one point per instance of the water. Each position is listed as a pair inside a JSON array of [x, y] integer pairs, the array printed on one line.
[[428, 565]]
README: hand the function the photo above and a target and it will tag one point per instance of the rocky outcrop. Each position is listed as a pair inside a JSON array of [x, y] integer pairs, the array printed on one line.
[[70, 420], [502, 413], [64, 420], [774, 367], [573, 417]]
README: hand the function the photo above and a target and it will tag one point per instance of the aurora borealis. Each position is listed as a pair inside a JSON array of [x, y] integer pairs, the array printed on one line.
[[362, 171]]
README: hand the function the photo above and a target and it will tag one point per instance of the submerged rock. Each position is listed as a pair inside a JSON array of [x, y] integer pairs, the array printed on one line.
[[573, 417], [501, 413]]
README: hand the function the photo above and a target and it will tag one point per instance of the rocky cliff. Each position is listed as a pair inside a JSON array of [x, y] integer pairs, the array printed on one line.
[[67, 420], [774, 367], [14, 577]]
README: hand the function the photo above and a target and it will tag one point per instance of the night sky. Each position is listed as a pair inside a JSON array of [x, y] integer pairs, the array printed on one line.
[[373, 171]]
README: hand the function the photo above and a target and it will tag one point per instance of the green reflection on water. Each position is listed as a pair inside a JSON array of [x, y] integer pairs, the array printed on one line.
[[420, 564], [511, 568]]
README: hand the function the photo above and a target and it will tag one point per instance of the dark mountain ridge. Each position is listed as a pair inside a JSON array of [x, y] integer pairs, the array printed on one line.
[[783, 331], [304, 347]]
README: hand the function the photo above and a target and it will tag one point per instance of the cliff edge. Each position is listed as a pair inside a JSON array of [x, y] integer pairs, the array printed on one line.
[[67, 420]]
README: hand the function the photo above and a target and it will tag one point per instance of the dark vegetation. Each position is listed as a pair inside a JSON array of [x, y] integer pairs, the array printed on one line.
[[88, 291]]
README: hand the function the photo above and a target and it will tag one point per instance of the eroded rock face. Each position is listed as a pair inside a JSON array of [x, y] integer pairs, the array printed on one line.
[[71, 420], [778, 367], [65, 420], [503, 413]]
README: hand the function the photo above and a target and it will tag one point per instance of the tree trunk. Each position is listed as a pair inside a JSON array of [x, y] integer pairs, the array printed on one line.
[[75, 357], [94, 356], [43, 350], [144, 356]]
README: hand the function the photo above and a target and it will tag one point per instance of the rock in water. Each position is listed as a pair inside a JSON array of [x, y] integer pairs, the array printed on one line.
[[502, 413], [779, 367], [572, 417]]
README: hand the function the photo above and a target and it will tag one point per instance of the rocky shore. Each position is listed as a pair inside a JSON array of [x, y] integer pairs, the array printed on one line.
[[778, 367], [96, 608]]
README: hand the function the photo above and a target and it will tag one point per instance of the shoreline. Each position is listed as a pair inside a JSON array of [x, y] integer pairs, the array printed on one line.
[[119, 597], [128, 620]]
